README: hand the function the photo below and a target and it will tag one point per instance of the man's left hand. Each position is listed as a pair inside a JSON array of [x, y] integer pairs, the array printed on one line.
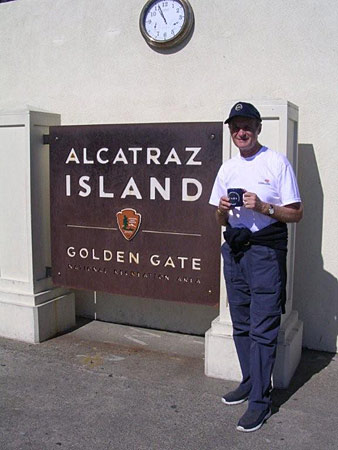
[[252, 201]]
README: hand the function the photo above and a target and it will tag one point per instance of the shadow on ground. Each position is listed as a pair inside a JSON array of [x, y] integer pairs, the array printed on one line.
[[312, 362]]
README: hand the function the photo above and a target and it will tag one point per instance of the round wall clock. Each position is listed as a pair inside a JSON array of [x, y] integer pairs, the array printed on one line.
[[165, 24]]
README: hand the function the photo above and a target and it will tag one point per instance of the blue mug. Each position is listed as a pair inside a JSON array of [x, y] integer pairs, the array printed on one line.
[[235, 196]]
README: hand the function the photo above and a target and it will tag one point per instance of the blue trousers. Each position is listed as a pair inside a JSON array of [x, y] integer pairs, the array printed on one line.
[[254, 290]]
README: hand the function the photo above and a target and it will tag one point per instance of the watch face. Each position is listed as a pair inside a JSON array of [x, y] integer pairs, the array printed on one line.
[[165, 22]]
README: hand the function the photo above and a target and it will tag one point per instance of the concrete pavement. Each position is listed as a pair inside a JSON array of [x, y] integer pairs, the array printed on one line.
[[112, 387]]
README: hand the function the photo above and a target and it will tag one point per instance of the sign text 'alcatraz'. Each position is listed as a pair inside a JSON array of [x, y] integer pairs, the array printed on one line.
[[134, 155]]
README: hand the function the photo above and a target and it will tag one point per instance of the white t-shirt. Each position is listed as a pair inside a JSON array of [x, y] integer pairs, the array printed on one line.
[[267, 174]]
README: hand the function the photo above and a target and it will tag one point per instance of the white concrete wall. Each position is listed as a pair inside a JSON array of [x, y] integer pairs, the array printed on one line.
[[87, 60]]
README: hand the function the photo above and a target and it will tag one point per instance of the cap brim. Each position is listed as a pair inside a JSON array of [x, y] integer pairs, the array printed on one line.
[[242, 115]]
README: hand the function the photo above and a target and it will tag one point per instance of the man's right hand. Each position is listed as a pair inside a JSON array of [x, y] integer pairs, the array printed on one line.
[[224, 205]]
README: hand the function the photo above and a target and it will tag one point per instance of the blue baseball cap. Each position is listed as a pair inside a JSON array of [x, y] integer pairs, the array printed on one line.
[[244, 110]]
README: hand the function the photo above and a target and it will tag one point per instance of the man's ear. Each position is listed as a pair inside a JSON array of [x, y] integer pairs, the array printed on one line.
[[259, 129]]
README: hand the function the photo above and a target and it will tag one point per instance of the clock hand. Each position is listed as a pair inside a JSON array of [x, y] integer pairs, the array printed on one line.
[[162, 14]]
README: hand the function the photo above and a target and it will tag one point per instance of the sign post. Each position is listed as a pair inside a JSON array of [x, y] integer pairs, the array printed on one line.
[[31, 308]]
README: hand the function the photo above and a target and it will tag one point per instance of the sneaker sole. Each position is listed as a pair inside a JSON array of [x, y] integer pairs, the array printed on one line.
[[237, 402], [248, 430]]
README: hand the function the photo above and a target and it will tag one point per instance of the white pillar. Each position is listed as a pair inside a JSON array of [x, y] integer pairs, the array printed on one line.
[[280, 132], [31, 309]]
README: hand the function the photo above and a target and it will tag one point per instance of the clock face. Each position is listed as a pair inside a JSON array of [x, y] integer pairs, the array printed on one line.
[[164, 20], [164, 23]]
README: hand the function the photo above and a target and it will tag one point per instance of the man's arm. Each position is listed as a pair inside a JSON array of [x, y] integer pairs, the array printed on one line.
[[288, 214], [221, 218]]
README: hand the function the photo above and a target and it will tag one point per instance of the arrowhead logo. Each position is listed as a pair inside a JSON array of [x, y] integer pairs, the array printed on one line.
[[129, 222]]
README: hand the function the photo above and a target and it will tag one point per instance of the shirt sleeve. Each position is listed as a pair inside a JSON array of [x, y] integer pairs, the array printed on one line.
[[288, 187], [219, 189]]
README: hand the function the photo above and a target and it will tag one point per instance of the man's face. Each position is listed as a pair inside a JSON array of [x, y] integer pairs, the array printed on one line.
[[244, 132]]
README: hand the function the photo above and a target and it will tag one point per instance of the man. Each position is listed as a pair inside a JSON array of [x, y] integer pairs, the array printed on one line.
[[254, 255]]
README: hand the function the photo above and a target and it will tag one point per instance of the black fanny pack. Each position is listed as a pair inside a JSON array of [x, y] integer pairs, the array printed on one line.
[[240, 239]]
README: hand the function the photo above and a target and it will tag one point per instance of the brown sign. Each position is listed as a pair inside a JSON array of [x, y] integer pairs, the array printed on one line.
[[130, 212]]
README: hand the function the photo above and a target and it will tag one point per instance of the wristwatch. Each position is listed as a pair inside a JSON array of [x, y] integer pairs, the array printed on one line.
[[271, 210]]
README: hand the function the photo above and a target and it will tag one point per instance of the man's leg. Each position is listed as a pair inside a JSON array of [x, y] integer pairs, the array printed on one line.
[[239, 303], [265, 313], [263, 273], [264, 333]]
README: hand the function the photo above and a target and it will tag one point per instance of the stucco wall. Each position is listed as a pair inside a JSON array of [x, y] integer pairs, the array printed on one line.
[[87, 60]]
